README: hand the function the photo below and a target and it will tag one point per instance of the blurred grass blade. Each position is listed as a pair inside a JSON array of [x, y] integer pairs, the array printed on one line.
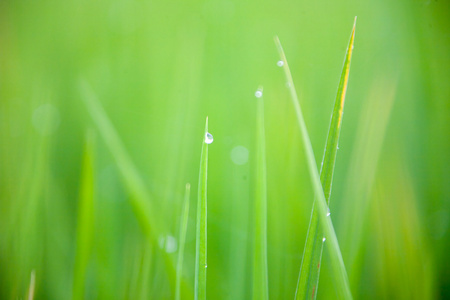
[[140, 199], [337, 263], [182, 240], [32, 285], [370, 136], [260, 277], [308, 281], [85, 220], [201, 227]]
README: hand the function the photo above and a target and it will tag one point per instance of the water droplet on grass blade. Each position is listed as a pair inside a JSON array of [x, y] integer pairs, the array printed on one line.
[[328, 212], [323, 240], [280, 63], [258, 93], [206, 266], [208, 138]]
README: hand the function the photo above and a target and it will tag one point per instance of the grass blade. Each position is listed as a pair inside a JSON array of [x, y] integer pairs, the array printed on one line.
[[338, 268], [85, 220], [201, 234], [140, 199], [370, 136], [182, 240], [308, 281], [260, 277], [32, 285]]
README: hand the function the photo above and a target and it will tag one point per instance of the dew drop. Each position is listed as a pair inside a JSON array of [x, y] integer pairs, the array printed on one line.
[[328, 213], [206, 266], [208, 138], [323, 240], [258, 94], [280, 63]]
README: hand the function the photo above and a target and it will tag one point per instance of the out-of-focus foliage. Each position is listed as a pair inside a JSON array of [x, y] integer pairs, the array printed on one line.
[[158, 68]]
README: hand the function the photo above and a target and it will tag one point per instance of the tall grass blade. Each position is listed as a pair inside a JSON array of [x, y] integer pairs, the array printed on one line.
[[140, 199], [260, 273], [182, 240], [337, 263], [85, 220], [308, 281], [201, 228], [372, 128]]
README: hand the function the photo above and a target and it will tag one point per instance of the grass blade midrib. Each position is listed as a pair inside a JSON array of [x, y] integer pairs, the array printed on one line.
[[308, 281], [337, 262], [201, 227]]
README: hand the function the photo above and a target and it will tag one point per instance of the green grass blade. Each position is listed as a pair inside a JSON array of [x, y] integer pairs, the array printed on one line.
[[308, 281], [85, 220], [260, 277], [201, 234], [140, 199], [337, 263], [182, 241]]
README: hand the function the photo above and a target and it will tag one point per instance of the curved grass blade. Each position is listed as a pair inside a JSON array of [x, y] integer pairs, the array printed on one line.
[[201, 234], [337, 263], [308, 281], [85, 219], [140, 199], [182, 240], [260, 277]]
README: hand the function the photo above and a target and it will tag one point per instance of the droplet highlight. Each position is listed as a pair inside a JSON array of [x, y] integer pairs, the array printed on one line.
[[323, 240], [258, 94], [239, 155], [208, 138], [280, 63]]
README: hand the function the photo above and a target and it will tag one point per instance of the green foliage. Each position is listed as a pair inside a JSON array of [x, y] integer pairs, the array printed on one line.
[[107, 226], [260, 276], [308, 282], [339, 272], [201, 245]]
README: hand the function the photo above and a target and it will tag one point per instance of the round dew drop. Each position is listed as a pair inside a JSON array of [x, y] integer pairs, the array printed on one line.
[[280, 63], [258, 94], [323, 240], [208, 138]]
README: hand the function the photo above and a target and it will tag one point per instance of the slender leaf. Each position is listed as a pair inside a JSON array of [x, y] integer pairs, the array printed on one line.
[[85, 219], [140, 199], [260, 276], [339, 272], [201, 227], [182, 240], [308, 281]]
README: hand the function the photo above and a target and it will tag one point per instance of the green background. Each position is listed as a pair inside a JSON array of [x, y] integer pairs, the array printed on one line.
[[158, 68]]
